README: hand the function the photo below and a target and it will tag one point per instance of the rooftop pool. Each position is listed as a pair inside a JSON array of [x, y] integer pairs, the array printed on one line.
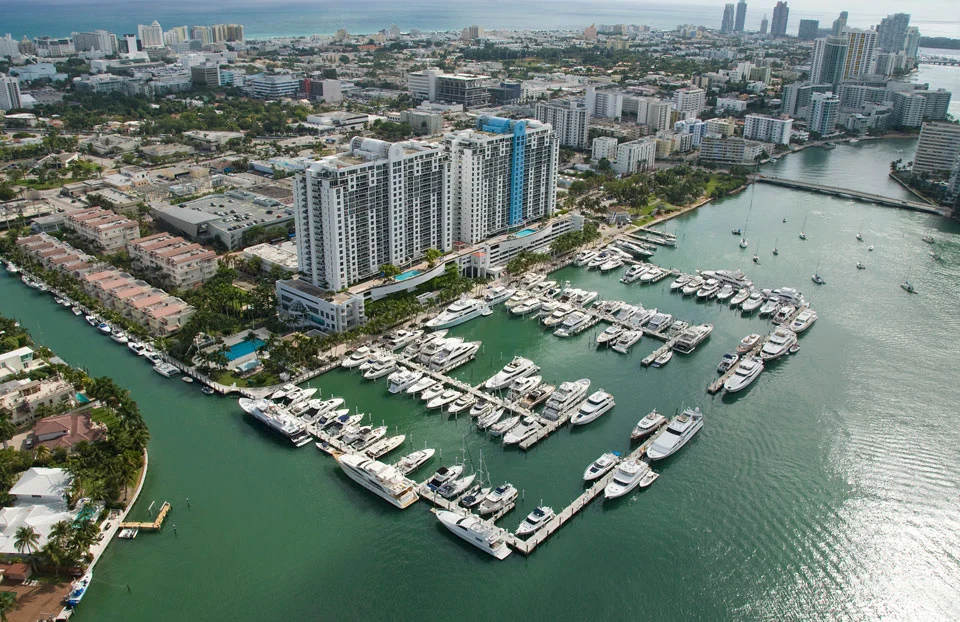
[[409, 274], [524, 233]]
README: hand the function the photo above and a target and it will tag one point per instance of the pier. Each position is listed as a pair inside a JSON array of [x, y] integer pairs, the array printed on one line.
[[155, 525], [453, 504], [850, 194]]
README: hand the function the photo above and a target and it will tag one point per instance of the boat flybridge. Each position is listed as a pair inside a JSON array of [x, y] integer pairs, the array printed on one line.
[[629, 475], [519, 367], [384, 480], [746, 372], [679, 431], [596, 405], [482, 534], [778, 343], [567, 396], [459, 312]]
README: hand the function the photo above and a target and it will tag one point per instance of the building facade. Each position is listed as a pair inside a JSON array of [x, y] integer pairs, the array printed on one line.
[[635, 156], [604, 147], [861, 49], [829, 56], [937, 149], [570, 122], [767, 129], [9, 93], [182, 264], [824, 113], [106, 229]]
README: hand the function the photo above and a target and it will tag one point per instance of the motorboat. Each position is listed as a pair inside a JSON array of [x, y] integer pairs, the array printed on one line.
[[726, 292], [908, 287], [749, 343], [789, 295], [653, 274], [633, 273], [548, 307], [598, 260], [497, 499], [659, 322], [403, 379], [462, 403], [522, 386], [489, 417], [626, 478], [679, 431], [680, 281], [443, 475], [676, 329], [459, 312], [573, 324], [596, 405], [456, 356], [753, 302], [432, 391], [529, 305], [610, 335], [584, 257], [474, 496], [626, 341], [457, 487], [104, 328], [746, 372], [689, 339], [803, 321], [92, 320], [167, 370], [136, 347], [739, 297], [737, 231], [12, 267], [663, 358], [420, 385], [626, 312], [413, 348], [535, 520], [870, 248], [928, 239], [384, 446], [356, 358], [485, 536], [498, 294], [401, 338], [207, 390], [636, 250], [368, 437], [642, 316], [727, 361], [770, 307], [567, 396], [709, 289], [276, 419], [536, 397], [601, 466], [648, 425], [343, 421], [79, 589], [353, 433], [527, 427], [518, 368], [816, 278], [586, 298], [431, 347], [381, 368], [480, 408], [373, 360], [611, 264], [152, 357], [447, 397], [413, 461], [500, 428], [783, 314], [558, 315], [860, 266], [383, 480], [778, 343], [519, 297]]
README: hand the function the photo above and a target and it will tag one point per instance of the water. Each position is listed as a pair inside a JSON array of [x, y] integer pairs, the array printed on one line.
[[826, 490], [409, 274], [244, 348]]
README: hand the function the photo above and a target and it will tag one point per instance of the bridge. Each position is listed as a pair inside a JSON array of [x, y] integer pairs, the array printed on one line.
[[846, 193], [950, 62]]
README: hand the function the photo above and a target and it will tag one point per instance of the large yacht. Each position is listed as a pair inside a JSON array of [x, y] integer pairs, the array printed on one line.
[[680, 430], [596, 405], [401, 338], [447, 397], [692, 286], [689, 339], [753, 302], [680, 281], [627, 477], [584, 257], [497, 499], [710, 289], [803, 321], [462, 403], [420, 385], [430, 348], [481, 534], [567, 396], [449, 358], [519, 297], [356, 358], [459, 312], [413, 461], [498, 294], [626, 341], [655, 273], [402, 379], [384, 480], [573, 324], [536, 520], [527, 427], [381, 368], [558, 315], [529, 305], [746, 372], [659, 322], [610, 335], [648, 425], [633, 273], [277, 420], [601, 466], [778, 343]]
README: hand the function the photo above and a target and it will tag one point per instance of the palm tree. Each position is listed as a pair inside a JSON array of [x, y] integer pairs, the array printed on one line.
[[432, 255], [7, 427], [26, 540], [8, 602]]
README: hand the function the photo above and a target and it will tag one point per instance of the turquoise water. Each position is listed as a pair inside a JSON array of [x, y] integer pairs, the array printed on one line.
[[409, 274], [524, 233], [244, 348]]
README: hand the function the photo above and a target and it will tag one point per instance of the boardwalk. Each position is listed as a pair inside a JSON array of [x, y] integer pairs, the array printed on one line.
[[850, 194]]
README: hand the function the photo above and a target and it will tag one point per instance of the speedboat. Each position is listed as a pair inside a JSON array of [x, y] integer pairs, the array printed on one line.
[[443, 399], [118, 335], [489, 417], [381, 479], [803, 321], [633, 273], [680, 281], [748, 343], [356, 358], [740, 297], [474, 496], [727, 362], [725, 292], [626, 341], [529, 305], [498, 294], [654, 273], [403, 379], [648, 425], [527, 427], [611, 264], [420, 385], [413, 461], [558, 315], [456, 487], [778, 343], [522, 386], [497, 499], [443, 475], [626, 478], [737, 231], [384, 446], [432, 391], [689, 339], [136, 347], [461, 404], [709, 289], [450, 358], [746, 372], [535, 520], [753, 302], [539, 395], [459, 312], [610, 335], [502, 427], [480, 408], [783, 314], [680, 430], [381, 368], [770, 307], [663, 359], [104, 328], [483, 535], [601, 466], [518, 368], [596, 405], [567, 396], [79, 589], [573, 324]]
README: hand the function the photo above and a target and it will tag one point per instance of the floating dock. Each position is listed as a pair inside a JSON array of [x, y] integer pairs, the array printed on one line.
[[155, 525]]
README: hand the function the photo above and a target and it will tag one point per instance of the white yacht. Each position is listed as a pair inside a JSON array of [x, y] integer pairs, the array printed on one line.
[[366, 438], [573, 324], [384, 446], [635, 250], [443, 475], [459, 312], [596, 405], [586, 298], [726, 292], [648, 425], [385, 481], [611, 264], [535, 520], [746, 372], [598, 260], [519, 297], [752, 303], [381, 368], [783, 313], [527, 427], [536, 397], [455, 356], [403, 379], [778, 343], [447, 397], [558, 315], [482, 407], [642, 316], [610, 335], [689, 339], [503, 426], [455, 488], [416, 345], [522, 386], [740, 297], [680, 281], [372, 360], [659, 322], [483, 535], [601, 466], [529, 305], [749, 343], [277, 420], [356, 358], [633, 273], [119, 336], [627, 477], [654, 273], [490, 416], [498, 294], [413, 461], [626, 341], [136, 347], [420, 385], [567, 396], [518, 368], [803, 321], [692, 286], [431, 347], [584, 257], [709, 289], [626, 312], [401, 338], [432, 391], [462, 403], [680, 430], [497, 499]]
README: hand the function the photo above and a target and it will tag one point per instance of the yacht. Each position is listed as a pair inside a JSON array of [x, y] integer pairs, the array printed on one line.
[[104, 328], [432, 346], [726, 292], [497, 499], [636, 250], [599, 259], [368, 437], [586, 298], [356, 358], [92, 320], [381, 368], [384, 446], [752, 303], [709, 289], [342, 421], [653, 274], [627, 477], [688, 341], [403, 379], [402, 338], [783, 314], [498, 294], [558, 315], [680, 430], [462, 403], [432, 391], [778, 343], [573, 324], [500, 428], [663, 359], [692, 286], [416, 345], [456, 356], [444, 475], [770, 307], [420, 385], [536, 397], [676, 329], [611, 264], [740, 297], [633, 273], [483, 535], [648, 425], [152, 357], [383, 480], [459, 312], [860, 266], [166, 370], [136, 347], [789, 295], [642, 316], [928, 239], [746, 372], [626, 312], [481, 408], [727, 361], [525, 385], [353, 433], [527, 427], [601, 466], [518, 368], [536, 520], [803, 321], [659, 322], [610, 335], [413, 461], [548, 307], [455, 488], [596, 405], [680, 281], [626, 341], [567, 396], [529, 305], [277, 420], [489, 417], [447, 397], [79, 589], [519, 297], [584, 257]]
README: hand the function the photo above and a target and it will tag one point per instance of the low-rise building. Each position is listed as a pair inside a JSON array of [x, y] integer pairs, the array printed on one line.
[[65, 431], [41, 502], [106, 229], [150, 307], [22, 398], [282, 256], [182, 264], [714, 148], [17, 361]]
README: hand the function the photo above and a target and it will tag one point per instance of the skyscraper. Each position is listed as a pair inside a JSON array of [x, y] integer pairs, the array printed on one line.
[[9, 92], [96, 41], [763, 24], [911, 42], [809, 29], [741, 16], [827, 65], [839, 24], [569, 120], [893, 32], [150, 36], [824, 110], [861, 45], [726, 26], [778, 28]]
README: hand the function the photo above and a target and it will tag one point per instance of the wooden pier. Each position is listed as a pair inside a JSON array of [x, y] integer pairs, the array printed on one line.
[[650, 358], [155, 525]]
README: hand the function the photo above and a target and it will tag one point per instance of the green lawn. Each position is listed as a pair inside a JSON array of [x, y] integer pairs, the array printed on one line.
[[105, 416]]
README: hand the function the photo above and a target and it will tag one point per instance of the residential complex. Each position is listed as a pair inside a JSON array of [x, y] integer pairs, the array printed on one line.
[[102, 227], [938, 148], [179, 263], [635, 156], [570, 121], [9, 93], [767, 129]]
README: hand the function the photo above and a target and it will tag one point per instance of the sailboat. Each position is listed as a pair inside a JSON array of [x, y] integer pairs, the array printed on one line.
[[860, 233], [775, 250], [907, 285], [756, 254], [744, 242], [816, 278], [803, 236]]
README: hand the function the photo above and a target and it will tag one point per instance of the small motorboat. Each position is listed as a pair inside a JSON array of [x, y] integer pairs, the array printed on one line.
[[648, 425], [727, 362], [502, 427], [601, 466], [794, 349], [473, 497], [456, 487], [444, 475], [870, 248], [737, 231], [663, 359], [860, 266], [187, 379], [535, 520], [207, 390]]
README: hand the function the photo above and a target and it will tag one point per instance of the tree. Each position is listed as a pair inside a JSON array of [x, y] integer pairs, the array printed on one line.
[[388, 270], [7, 427], [26, 540], [432, 255], [603, 165], [8, 602]]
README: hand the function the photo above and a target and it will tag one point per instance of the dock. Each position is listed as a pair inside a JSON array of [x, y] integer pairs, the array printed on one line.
[[548, 427], [155, 525], [650, 358], [453, 504]]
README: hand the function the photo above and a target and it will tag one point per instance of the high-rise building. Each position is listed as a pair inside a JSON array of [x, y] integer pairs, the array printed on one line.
[[763, 24], [380, 203], [824, 111], [767, 129], [175, 35], [690, 100], [953, 186], [604, 147], [96, 41], [569, 120], [51, 47], [781, 12], [504, 174], [839, 24], [150, 36], [893, 32], [635, 156], [829, 56], [741, 18], [726, 25], [9, 92], [911, 42], [861, 46], [205, 75], [226, 33], [908, 109], [938, 148], [590, 33], [937, 103], [201, 34], [606, 104], [128, 44], [809, 29], [9, 47]]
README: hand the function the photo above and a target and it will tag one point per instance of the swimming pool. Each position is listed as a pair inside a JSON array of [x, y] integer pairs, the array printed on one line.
[[244, 348], [525, 232], [409, 274]]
